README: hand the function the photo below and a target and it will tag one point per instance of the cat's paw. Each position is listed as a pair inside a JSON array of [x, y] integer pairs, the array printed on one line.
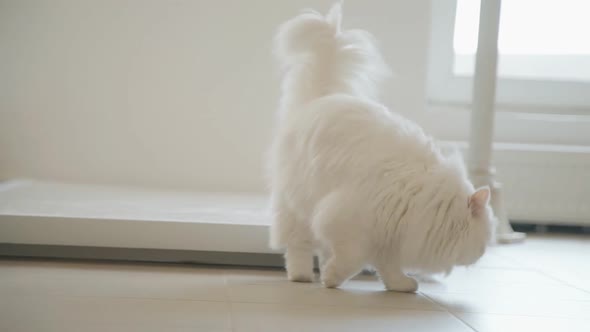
[[330, 279], [405, 285], [300, 277], [331, 282]]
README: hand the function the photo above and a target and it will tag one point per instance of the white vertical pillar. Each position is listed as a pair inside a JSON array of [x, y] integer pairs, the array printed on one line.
[[482, 116]]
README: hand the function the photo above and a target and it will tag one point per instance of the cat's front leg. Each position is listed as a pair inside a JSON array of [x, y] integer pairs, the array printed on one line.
[[324, 254], [394, 279]]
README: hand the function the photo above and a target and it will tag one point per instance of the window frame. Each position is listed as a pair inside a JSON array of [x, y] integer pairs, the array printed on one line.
[[444, 88]]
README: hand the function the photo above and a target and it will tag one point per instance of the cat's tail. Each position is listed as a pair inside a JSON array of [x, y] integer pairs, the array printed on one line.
[[319, 58]]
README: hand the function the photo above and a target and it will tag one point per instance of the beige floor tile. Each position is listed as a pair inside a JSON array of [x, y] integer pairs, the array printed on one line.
[[273, 287], [552, 254], [541, 285], [109, 279], [255, 317], [579, 278], [505, 283], [494, 323], [491, 259], [498, 276], [56, 313], [538, 305]]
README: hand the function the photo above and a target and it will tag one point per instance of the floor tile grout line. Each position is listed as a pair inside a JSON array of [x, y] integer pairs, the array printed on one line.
[[513, 260], [552, 298], [452, 314], [113, 297], [438, 305], [563, 281], [543, 272], [519, 315], [228, 297], [338, 306]]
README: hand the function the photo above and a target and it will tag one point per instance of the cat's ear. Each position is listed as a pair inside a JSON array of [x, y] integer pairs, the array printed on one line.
[[478, 201]]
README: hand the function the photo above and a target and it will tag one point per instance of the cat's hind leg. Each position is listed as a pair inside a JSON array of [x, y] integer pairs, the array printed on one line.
[[288, 232]]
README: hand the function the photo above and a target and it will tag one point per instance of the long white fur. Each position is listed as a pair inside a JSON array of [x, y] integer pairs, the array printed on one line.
[[353, 182]]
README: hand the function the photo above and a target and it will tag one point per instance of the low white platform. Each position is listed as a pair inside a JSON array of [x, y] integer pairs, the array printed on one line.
[[65, 214]]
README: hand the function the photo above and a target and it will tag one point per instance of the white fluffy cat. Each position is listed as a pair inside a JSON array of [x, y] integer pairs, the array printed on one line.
[[355, 183]]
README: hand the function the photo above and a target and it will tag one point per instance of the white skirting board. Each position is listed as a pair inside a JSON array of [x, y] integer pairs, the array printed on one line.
[[543, 185]]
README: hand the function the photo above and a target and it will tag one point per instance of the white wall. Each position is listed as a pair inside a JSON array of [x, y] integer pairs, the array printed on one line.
[[173, 94]]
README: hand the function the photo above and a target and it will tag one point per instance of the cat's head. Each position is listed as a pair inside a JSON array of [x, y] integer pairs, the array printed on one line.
[[454, 225], [471, 244]]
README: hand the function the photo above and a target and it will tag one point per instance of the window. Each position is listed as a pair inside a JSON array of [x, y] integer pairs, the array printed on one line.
[[544, 54]]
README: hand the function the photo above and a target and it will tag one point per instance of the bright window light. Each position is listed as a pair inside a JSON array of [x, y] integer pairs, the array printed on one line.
[[538, 39]]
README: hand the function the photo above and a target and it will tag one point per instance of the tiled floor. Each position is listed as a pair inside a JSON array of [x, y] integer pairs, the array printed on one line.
[[542, 285]]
